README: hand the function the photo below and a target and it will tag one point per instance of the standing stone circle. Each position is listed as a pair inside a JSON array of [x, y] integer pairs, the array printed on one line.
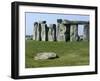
[[63, 30], [45, 55]]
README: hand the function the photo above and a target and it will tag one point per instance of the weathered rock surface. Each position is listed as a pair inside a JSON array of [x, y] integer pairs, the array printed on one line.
[[45, 55]]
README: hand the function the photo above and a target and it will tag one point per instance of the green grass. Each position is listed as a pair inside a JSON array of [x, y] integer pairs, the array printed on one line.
[[70, 53]]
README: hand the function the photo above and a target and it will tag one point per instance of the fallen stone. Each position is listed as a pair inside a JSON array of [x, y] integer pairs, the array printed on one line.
[[45, 55]]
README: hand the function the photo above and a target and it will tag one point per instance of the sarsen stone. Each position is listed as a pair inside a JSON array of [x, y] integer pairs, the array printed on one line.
[[45, 55]]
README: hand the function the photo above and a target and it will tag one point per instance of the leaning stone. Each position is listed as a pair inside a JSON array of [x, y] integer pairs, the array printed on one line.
[[45, 55]]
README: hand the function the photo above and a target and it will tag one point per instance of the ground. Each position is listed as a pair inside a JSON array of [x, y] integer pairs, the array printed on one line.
[[70, 53]]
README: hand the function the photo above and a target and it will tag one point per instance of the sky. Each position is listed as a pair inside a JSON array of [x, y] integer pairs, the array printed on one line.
[[51, 18]]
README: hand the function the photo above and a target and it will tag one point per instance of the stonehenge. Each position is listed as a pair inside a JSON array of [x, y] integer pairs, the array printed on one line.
[[64, 30]]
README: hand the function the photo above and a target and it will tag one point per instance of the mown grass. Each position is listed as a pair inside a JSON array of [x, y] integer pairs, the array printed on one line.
[[70, 53]]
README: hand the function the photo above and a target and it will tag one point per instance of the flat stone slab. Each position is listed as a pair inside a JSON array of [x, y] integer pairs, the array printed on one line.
[[45, 55]]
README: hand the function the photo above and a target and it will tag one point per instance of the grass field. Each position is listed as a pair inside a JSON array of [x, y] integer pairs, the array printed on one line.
[[70, 53]]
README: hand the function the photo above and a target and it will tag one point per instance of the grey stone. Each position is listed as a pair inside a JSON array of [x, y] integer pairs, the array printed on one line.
[[74, 32], [67, 32], [86, 32], [43, 30], [61, 32], [53, 31], [50, 34], [45, 55], [35, 31]]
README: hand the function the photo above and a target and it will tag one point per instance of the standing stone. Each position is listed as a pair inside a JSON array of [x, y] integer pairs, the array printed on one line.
[[46, 32], [86, 32], [74, 32], [61, 30], [71, 33], [43, 30], [50, 34], [67, 32], [53, 31], [39, 30], [59, 21], [35, 31]]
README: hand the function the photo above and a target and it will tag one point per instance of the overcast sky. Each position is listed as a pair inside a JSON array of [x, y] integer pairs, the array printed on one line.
[[51, 18]]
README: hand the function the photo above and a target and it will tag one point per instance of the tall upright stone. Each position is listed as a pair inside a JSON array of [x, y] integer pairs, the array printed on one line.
[[74, 32], [59, 21], [35, 31], [39, 30], [43, 30], [67, 31], [61, 30], [71, 33], [86, 32], [46, 32], [52, 33]]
